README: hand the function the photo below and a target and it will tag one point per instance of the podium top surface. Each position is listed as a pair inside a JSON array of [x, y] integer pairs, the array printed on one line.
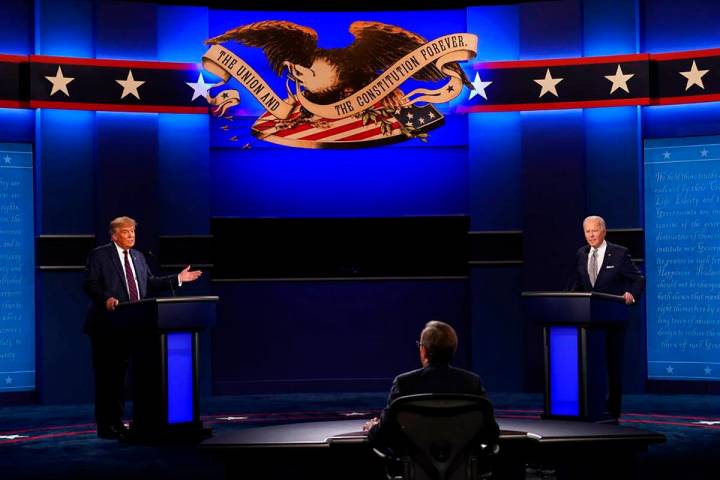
[[604, 296], [201, 298]]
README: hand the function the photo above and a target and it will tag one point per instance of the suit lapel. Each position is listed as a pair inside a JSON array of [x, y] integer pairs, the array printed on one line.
[[139, 275], [119, 268], [586, 274], [607, 260]]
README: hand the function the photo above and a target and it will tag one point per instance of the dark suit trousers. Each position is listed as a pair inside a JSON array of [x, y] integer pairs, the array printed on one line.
[[111, 355], [615, 348]]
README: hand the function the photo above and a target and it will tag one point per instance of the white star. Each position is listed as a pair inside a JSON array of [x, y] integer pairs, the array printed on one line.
[[619, 80], [409, 116], [708, 422], [7, 158], [431, 115], [8, 380], [548, 84], [704, 152], [421, 120], [200, 88], [666, 155], [12, 437], [479, 87], [708, 370], [59, 83], [694, 76], [409, 124], [670, 369], [130, 86], [232, 418]]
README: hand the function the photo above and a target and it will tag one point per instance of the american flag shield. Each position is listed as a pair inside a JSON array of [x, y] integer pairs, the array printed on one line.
[[377, 125]]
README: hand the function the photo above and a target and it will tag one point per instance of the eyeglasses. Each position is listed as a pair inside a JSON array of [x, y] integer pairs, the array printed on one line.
[[418, 343]]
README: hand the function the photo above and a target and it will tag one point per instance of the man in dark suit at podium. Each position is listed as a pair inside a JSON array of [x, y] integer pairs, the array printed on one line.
[[437, 345], [116, 273], [605, 267]]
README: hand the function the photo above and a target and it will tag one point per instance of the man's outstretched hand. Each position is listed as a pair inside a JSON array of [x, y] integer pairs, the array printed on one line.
[[187, 276]]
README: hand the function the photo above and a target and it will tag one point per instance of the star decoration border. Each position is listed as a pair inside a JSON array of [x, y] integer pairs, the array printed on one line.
[[619, 80], [40, 81], [604, 81]]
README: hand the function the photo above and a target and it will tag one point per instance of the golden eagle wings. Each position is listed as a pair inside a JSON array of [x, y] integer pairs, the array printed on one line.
[[329, 75]]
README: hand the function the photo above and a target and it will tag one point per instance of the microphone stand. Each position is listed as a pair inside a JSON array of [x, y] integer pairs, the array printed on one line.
[[170, 279]]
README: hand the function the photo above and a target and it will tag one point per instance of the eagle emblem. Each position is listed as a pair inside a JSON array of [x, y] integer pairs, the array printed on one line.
[[342, 96]]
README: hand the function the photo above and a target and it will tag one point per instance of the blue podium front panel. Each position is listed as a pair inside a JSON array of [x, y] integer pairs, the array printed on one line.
[[180, 384], [563, 370]]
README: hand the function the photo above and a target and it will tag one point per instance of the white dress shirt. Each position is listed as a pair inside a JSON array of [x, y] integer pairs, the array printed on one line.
[[600, 255], [132, 267]]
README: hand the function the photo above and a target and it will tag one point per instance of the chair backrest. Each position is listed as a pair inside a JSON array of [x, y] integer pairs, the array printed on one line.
[[443, 434]]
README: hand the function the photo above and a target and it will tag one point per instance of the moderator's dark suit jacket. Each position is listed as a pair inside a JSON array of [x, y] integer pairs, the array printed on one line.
[[105, 278], [435, 378], [617, 275]]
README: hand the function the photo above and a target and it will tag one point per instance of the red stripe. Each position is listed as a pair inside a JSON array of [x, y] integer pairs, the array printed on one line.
[[511, 107], [110, 107], [45, 437], [334, 131], [13, 58], [271, 123], [664, 415], [264, 125], [113, 63], [535, 417], [367, 134], [274, 414], [711, 52], [502, 410], [557, 62], [13, 104], [710, 97], [679, 424], [292, 131], [40, 428]]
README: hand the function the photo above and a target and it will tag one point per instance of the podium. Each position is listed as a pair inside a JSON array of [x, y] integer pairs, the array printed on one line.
[[574, 329], [165, 353]]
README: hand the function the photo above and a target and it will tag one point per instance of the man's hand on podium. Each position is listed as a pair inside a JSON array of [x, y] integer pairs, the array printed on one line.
[[111, 303], [370, 423]]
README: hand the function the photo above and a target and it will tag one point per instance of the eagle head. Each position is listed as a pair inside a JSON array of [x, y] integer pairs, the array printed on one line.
[[322, 77]]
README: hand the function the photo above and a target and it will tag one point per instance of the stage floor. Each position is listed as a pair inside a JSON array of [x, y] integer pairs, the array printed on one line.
[[59, 441]]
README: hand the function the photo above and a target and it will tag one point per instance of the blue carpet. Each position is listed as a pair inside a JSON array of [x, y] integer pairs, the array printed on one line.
[[60, 441]]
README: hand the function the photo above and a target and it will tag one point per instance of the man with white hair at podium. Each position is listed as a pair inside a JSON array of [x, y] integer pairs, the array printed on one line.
[[601, 266]]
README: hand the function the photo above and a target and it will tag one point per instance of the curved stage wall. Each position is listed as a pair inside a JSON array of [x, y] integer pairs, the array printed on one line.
[[525, 176]]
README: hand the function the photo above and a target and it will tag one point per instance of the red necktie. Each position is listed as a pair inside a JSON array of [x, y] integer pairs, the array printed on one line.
[[132, 288]]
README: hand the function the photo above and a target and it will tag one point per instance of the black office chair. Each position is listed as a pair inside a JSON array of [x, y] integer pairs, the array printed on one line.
[[440, 437]]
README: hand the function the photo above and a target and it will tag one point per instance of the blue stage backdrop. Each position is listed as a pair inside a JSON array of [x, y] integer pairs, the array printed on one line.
[[682, 234], [17, 267]]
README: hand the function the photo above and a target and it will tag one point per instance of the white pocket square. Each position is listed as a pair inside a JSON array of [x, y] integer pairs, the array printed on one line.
[[610, 266]]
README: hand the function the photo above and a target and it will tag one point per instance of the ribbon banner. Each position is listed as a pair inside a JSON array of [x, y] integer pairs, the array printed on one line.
[[441, 51]]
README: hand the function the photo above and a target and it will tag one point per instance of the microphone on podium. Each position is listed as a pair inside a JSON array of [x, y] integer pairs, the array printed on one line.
[[157, 263]]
